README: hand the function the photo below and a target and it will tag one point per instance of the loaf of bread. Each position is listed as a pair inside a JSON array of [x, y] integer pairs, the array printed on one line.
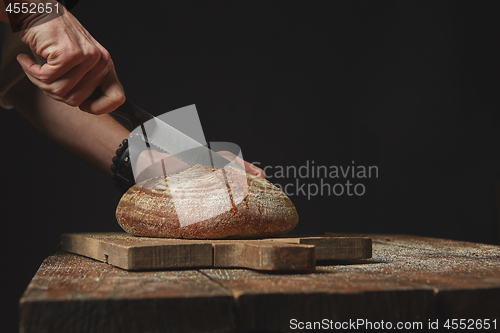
[[206, 203]]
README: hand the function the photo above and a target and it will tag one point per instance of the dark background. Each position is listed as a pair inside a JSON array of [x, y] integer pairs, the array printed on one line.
[[411, 87]]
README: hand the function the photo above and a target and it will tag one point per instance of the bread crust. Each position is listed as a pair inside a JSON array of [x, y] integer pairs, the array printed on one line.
[[206, 203]]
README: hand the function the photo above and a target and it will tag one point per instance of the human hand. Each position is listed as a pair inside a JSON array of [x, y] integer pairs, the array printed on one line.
[[76, 64], [249, 167]]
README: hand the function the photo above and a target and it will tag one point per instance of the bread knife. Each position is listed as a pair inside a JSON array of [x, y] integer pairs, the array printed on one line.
[[157, 134]]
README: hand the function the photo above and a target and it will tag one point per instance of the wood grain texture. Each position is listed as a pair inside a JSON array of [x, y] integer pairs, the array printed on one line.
[[286, 253], [272, 256], [408, 279], [71, 293], [138, 253], [334, 248]]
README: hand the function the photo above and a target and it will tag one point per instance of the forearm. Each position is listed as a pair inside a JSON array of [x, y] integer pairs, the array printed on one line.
[[94, 138]]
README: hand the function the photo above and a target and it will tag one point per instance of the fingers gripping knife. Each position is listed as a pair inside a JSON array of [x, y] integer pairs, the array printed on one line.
[[134, 114]]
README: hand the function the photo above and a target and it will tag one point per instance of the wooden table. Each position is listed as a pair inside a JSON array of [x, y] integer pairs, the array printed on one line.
[[409, 279]]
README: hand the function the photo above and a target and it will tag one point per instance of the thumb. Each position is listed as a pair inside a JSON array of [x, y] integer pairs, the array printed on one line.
[[28, 65], [112, 97]]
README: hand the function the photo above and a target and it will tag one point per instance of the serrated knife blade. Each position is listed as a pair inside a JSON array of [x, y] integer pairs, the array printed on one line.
[[159, 134]]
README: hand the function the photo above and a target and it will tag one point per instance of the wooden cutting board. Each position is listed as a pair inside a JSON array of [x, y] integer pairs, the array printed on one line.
[[286, 253]]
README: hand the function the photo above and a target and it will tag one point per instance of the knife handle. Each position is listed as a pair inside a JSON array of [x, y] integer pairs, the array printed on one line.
[[134, 114]]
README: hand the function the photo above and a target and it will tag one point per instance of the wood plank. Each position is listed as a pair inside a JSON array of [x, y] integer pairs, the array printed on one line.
[[269, 301], [139, 253], [143, 253], [334, 248], [264, 255], [438, 245], [398, 284], [72, 293], [406, 280]]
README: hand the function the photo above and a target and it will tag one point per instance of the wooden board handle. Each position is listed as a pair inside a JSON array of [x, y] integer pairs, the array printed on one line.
[[265, 256]]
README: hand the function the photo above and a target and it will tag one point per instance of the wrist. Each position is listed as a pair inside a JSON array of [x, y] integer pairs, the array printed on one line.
[[121, 169]]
